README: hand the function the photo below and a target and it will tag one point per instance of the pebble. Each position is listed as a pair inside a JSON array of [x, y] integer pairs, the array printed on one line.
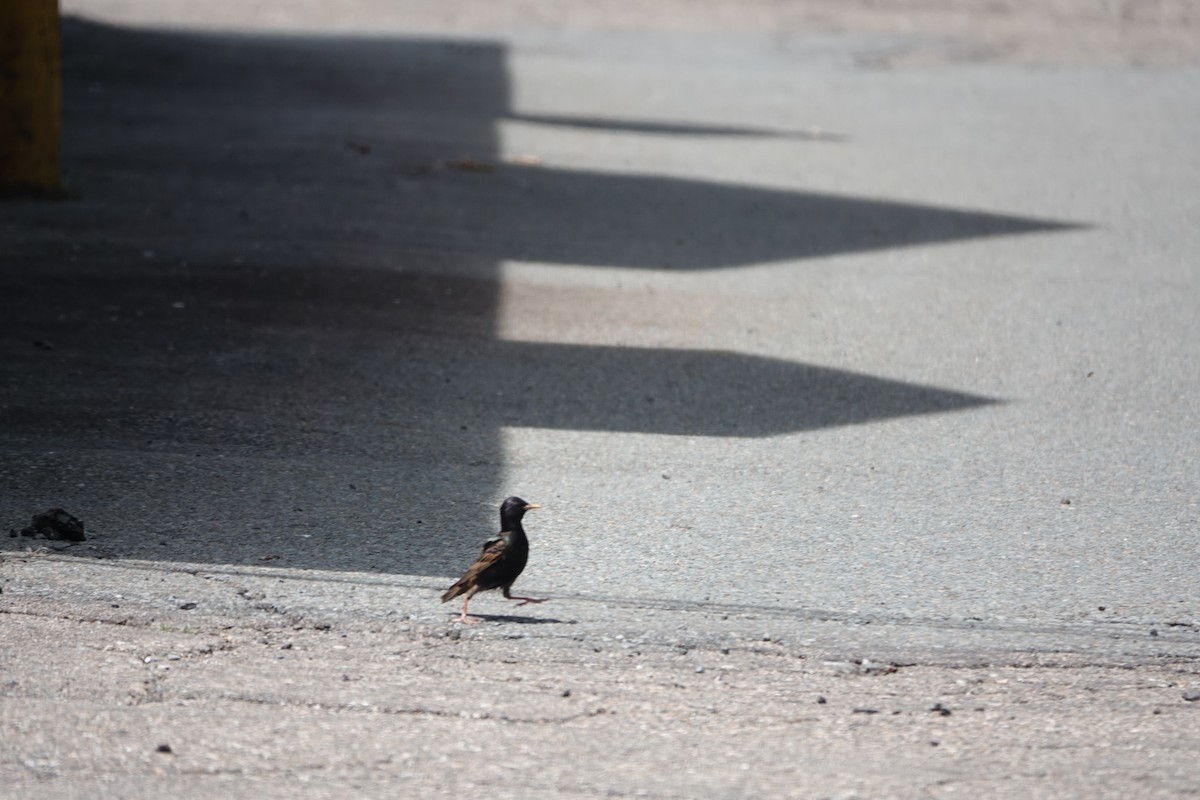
[[1192, 695]]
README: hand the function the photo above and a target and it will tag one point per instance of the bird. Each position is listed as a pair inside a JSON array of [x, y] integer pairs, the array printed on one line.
[[500, 562]]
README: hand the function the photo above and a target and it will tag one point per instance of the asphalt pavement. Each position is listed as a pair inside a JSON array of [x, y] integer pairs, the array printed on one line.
[[851, 357]]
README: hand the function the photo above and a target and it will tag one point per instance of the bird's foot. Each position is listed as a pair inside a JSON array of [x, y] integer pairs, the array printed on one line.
[[527, 600], [465, 620]]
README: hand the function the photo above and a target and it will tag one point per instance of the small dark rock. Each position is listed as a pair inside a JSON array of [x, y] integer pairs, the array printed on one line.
[[12, 533], [58, 524], [566, 692], [940, 709], [934, 742], [187, 606], [866, 711], [163, 748], [1154, 632], [821, 700], [30, 532], [1192, 695]]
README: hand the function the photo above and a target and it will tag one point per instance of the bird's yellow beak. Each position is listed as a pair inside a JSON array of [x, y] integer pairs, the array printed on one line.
[[530, 506]]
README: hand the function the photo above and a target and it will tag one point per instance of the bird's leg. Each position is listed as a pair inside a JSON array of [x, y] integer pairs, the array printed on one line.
[[463, 618], [524, 600]]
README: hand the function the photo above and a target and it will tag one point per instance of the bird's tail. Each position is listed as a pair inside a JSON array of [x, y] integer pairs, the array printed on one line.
[[454, 591]]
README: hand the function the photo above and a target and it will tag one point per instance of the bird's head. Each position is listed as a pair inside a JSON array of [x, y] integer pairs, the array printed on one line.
[[514, 508]]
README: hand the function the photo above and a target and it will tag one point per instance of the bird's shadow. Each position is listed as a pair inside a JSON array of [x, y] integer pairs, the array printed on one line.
[[521, 620]]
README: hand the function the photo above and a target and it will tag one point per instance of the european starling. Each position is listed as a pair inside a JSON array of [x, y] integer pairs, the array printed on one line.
[[500, 561]]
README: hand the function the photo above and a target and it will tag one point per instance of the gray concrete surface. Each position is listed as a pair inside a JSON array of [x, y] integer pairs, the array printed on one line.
[[851, 351]]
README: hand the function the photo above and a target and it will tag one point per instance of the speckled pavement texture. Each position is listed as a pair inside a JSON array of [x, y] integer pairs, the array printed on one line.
[[850, 349]]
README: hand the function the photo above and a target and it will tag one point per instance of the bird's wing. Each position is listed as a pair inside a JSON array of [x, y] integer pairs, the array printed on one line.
[[493, 550], [497, 542], [492, 553]]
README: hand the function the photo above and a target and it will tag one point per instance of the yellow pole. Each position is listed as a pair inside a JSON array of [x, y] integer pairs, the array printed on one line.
[[30, 97]]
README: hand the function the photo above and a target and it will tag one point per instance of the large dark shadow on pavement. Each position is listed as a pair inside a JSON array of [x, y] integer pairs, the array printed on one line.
[[265, 333], [658, 222]]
